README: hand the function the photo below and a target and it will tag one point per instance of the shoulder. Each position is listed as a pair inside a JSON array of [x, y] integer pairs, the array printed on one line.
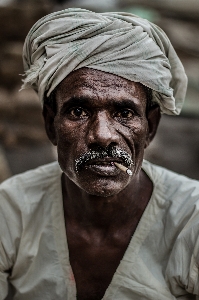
[[30, 181], [176, 194], [24, 200], [48, 170], [19, 192], [171, 183], [178, 203]]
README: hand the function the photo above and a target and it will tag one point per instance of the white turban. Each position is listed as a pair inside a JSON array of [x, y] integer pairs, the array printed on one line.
[[118, 43]]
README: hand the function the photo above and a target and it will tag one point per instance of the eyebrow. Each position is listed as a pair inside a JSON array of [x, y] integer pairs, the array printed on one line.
[[85, 101], [126, 103], [75, 101]]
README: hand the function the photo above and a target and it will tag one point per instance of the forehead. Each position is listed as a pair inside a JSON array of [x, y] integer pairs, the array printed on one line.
[[95, 84]]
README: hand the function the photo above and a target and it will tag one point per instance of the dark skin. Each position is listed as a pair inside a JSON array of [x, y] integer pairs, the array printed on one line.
[[102, 204]]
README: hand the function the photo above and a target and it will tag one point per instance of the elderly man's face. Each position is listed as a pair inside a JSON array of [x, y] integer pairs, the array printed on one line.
[[96, 112]]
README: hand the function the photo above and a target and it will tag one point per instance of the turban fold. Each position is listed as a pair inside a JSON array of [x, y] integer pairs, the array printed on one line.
[[119, 43]]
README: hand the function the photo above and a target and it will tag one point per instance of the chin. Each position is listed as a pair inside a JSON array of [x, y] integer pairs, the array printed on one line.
[[102, 193], [103, 188]]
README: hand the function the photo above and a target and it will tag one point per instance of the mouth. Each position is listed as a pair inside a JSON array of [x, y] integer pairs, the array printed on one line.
[[102, 160], [104, 167]]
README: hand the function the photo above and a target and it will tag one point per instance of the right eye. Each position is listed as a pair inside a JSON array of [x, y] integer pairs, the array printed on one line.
[[78, 112]]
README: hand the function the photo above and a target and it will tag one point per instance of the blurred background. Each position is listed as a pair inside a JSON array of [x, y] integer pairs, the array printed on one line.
[[23, 142]]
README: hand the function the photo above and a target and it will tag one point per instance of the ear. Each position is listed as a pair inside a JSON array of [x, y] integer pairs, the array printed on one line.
[[49, 118], [153, 117]]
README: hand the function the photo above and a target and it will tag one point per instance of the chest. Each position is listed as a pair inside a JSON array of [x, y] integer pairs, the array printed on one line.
[[94, 265]]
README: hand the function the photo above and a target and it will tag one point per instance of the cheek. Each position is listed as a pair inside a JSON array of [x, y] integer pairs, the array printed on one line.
[[70, 143], [66, 132], [140, 134], [135, 134], [65, 136]]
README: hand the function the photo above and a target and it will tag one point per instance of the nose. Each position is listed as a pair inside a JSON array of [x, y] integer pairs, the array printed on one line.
[[102, 132]]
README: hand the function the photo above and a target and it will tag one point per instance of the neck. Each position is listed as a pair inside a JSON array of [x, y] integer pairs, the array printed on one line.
[[106, 212]]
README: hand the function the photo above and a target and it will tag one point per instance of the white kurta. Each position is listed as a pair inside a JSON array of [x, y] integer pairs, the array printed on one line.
[[161, 261]]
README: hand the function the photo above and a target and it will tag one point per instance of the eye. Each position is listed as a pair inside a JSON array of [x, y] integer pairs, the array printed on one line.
[[124, 114], [78, 112]]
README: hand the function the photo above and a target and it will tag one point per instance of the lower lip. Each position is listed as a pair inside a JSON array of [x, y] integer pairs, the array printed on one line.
[[104, 170]]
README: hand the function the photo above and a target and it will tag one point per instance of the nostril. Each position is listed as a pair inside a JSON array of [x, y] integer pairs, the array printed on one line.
[[98, 147], [112, 144], [102, 141]]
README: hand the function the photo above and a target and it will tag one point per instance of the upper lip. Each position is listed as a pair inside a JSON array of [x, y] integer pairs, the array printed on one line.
[[106, 160]]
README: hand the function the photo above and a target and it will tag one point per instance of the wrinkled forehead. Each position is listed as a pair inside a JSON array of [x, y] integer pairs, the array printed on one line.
[[88, 82]]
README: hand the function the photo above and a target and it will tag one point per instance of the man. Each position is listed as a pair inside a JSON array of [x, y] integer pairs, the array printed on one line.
[[103, 224]]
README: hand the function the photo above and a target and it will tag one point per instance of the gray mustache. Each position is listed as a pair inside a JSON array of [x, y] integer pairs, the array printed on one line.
[[101, 153]]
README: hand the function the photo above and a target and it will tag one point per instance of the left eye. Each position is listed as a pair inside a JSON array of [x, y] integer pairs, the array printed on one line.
[[125, 113], [78, 112]]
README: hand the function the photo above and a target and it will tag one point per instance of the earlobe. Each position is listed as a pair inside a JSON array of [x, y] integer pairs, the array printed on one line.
[[153, 117], [49, 117]]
